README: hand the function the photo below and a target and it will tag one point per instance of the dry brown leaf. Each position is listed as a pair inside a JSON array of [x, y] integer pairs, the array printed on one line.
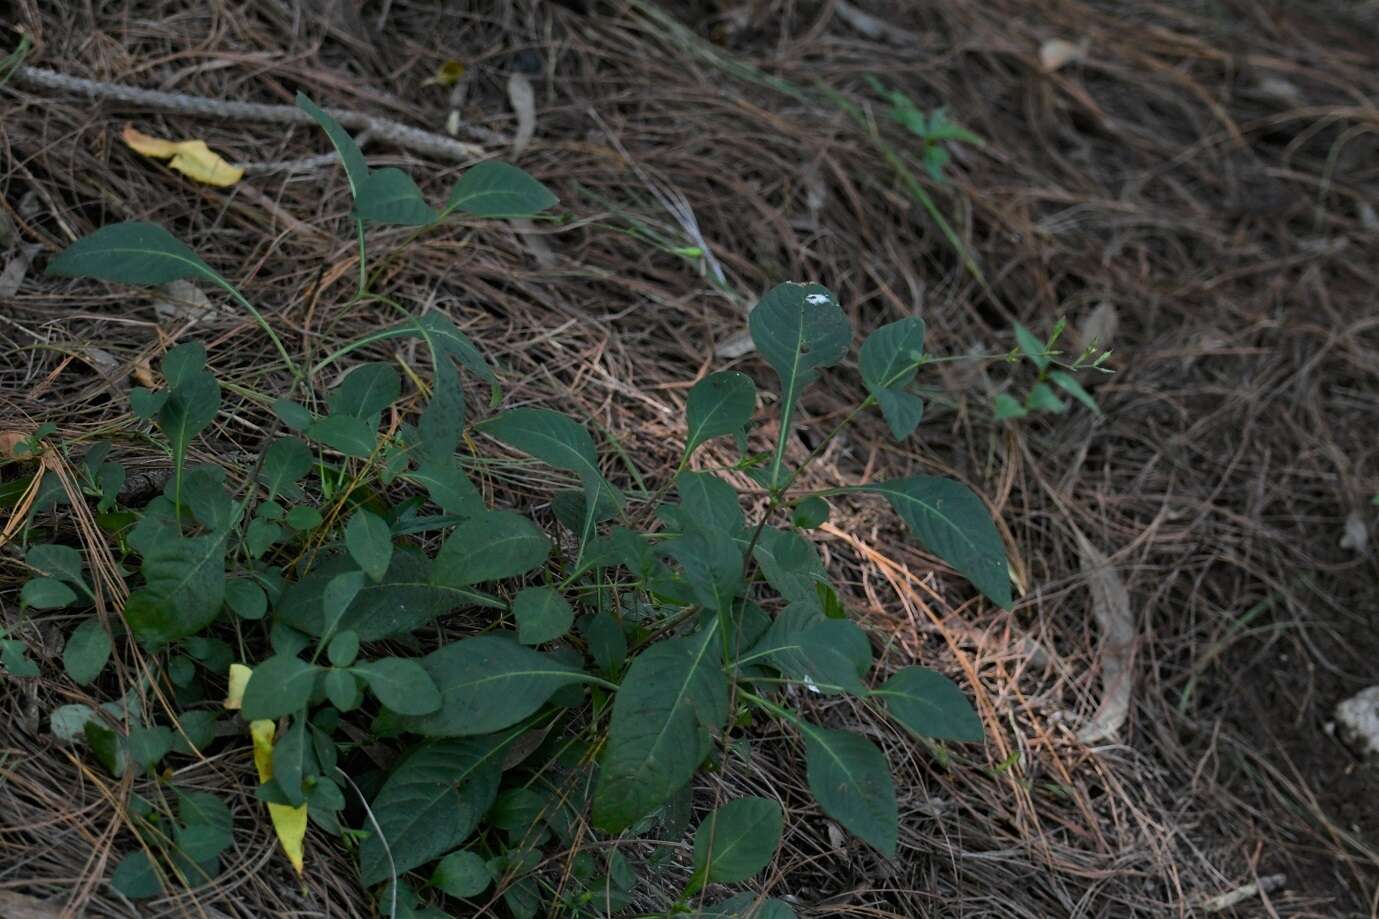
[[142, 373], [1111, 607], [1058, 52], [192, 158], [183, 301]]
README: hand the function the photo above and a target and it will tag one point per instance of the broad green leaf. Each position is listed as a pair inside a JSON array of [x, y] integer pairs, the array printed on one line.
[[260, 536], [292, 414], [356, 170], [488, 683], [799, 329], [953, 523], [488, 547], [1031, 346], [1042, 398], [672, 699], [291, 751], [721, 403], [806, 646], [135, 876], [345, 433], [343, 649], [303, 518], [1068, 383], [285, 461], [736, 841], [400, 684], [903, 411], [462, 874], [144, 404], [61, 562], [201, 808], [336, 597], [46, 593], [197, 731], [148, 746], [189, 409], [851, 780], [446, 338], [448, 487], [712, 566], [186, 582], [748, 906], [130, 253], [370, 543], [390, 196], [708, 504], [183, 362], [343, 690], [365, 391], [790, 564], [494, 189], [279, 686], [553, 438], [811, 513], [442, 421], [606, 641], [203, 493], [432, 801], [542, 615], [890, 355], [246, 598], [87, 651], [931, 705]]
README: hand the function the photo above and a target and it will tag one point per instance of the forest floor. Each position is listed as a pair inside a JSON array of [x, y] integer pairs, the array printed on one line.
[[1194, 185]]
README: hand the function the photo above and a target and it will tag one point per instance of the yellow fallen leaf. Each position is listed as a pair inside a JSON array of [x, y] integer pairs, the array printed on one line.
[[288, 822], [239, 678], [448, 73], [192, 158]]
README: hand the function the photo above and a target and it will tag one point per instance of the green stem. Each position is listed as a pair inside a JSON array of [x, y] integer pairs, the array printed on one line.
[[263, 323], [363, 262]]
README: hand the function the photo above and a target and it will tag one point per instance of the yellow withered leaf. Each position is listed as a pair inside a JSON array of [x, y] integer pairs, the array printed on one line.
[[239, 678], [288, 822], [192, 158]]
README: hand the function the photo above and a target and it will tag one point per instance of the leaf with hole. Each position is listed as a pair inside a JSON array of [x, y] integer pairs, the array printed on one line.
[[279, 686], [721, 403], [400, 684], [851, 780], [735, 841], [130, 253], [494, 189], [370, 543], [930, 704], [953, 523], [489, 547], [542, 615], [390, 196]]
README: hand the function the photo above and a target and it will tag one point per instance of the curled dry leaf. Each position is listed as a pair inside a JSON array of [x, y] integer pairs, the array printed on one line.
[[192, 158], [1111, 607], [1058, 52]]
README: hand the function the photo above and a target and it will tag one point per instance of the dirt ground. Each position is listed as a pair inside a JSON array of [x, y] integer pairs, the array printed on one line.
[[1195, 183]]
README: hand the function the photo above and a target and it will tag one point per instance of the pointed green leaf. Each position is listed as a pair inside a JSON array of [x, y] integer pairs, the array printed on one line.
[[61, 562], [441, 423], [279, 686], [356, 170], [189, 410], [488, 547], [805, 645], [450, 488], [851, 780], [903, 411], [349, 435], [186, 586], [1007, 407], [494, 189], [291, 750], [553, 438], [366, 390], [1031, 346], [721, 403], [1068, 383], [488, 683], [294, 415], [891, 354], [542, 615], [953, 523], [606, 641], [370, 543], [790, 563], [1042, 398], [130, 253], [390, 196], [87, 651], [285, 461], [736, 841], [931, 705], [673, 697], [400, 684]]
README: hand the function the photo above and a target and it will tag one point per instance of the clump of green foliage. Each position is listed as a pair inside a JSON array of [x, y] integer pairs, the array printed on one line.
[[606, 666]]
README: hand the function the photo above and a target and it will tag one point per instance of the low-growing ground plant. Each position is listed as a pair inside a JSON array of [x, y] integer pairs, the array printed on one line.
[[604, 663]]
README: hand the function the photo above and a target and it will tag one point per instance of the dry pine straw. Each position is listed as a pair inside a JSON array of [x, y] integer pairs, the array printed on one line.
[[1206, 175]]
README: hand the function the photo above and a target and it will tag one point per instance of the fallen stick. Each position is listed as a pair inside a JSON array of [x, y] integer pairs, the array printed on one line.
[[381, 128]]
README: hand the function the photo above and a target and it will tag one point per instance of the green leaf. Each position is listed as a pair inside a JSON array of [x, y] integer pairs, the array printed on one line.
[[135, 877], [370, 543], [489, 547], [494, 189], [294, 415], [432, 801], [708, 504], [365, 391], [735, 842], [189, 410], [553, 438], [346, 434], [303, 518], [806, 646], [343, 649], [448, 487], [291, 752], [147, 746], [1031, 346], [953, 523], [260, 536], [903, 411], [203, 493], [888, 360], [129, 253], [336, 597], [811, 513], [1042, 398], [400, 684], [721, 403], [931, 705], [390, 196], [343, 690], [62, 562], [1068, 383], [542, 615], [356, 170], [790, 564], [462, 874], [441, 423], [184, 362], [144, 404], [488, 683], [606, 641], [712, 566], [246, 599], [199, 729], [672, 699], [87, 651], [799, 329], [186, 586], [1007, 407], [279, 686], [285, 461], [851, 780], [46, 593], [745, 906]]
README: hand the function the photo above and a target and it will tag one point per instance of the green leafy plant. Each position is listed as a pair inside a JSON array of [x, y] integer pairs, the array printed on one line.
[[936, 131], [1054, 375], [601, 666]]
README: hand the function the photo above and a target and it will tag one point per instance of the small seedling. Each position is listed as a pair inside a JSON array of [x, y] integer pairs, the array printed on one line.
[[1053, 374]]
